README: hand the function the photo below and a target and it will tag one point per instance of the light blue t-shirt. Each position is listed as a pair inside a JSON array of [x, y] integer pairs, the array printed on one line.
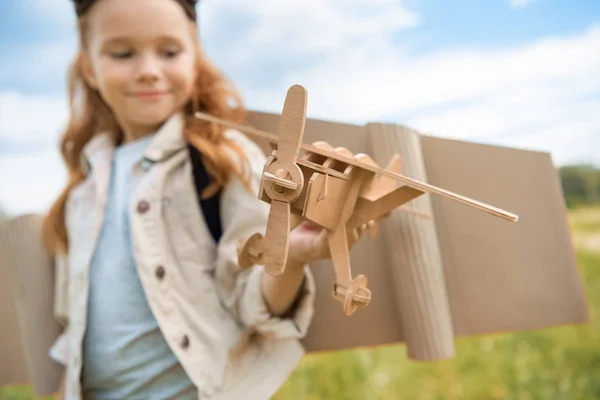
[[124, 353]]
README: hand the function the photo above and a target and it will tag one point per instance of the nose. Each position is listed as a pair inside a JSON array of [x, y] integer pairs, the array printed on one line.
[[148, 69]]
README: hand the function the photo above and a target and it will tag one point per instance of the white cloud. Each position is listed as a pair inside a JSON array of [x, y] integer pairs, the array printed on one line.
[[30, 181], [533, 95], [37, 65], [268, 41], [355, 82], [32, 173], [520, 3], [544, 96], [31, 120], [307, 27]]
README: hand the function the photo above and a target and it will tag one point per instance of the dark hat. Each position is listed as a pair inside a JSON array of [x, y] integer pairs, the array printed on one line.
[[82, 6]]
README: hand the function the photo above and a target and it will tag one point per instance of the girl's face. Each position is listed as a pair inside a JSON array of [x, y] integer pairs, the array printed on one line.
[[141, 58]]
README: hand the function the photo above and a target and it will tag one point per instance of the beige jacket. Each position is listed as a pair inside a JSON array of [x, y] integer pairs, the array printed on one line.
[[211, 312]]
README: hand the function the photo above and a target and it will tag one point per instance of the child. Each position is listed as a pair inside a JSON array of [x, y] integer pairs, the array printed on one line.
[[154, 308]]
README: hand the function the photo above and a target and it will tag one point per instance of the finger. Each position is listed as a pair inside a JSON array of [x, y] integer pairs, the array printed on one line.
[[373, 228], [362, 228]]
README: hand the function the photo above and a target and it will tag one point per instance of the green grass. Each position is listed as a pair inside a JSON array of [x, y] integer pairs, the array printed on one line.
[[557, 363], [20, 393], [585, 220]]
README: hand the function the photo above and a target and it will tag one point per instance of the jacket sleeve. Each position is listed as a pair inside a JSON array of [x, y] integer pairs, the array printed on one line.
[[58, 352], [243, 214]]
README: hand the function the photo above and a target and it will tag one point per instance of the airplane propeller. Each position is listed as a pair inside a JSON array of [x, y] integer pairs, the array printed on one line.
[[283, 180]]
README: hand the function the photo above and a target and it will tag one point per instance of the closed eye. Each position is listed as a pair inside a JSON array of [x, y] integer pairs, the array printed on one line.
[[171, 53], [121, 54]]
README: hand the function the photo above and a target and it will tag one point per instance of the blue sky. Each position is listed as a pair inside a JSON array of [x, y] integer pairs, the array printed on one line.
[[498, 23], [519, 73]]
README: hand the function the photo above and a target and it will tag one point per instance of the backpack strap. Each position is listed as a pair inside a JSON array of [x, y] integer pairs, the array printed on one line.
[[210, 206]]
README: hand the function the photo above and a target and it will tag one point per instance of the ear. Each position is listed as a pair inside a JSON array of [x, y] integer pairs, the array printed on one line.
[[87, 70]]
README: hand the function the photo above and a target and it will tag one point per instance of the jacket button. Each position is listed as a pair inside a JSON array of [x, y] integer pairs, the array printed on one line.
[[185, 342], [160, 272], [143, 206]]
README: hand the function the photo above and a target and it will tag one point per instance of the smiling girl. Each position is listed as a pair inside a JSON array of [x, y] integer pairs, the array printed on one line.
[[155, 307]]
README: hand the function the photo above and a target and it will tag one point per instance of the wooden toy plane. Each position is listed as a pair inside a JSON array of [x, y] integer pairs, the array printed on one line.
[[342, 192]]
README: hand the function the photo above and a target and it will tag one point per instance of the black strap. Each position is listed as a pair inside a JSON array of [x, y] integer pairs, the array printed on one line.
[[210, 206]]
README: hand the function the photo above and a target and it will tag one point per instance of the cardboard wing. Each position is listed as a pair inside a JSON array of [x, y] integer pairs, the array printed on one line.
[[28, 327], [463, 272], [460, 273]]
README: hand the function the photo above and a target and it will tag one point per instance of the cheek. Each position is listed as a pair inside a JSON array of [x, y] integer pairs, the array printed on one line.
[[182, 78], [113, 75]]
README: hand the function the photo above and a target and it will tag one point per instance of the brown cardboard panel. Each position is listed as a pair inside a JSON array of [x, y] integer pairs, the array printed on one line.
[[504, 276], [377, 324], [13, 368], [500, 276], [415, 266], [33, 328]]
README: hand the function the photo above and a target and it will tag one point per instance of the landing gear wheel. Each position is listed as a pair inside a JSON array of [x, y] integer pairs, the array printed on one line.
[[354, 296]]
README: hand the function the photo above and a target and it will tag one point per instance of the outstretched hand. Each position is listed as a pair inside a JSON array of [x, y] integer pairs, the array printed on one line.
[[308, 242]]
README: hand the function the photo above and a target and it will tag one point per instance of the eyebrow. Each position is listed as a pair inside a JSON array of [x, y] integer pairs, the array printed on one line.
[[127, 39]]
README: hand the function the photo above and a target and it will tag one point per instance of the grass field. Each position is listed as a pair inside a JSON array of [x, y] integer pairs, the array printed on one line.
[[557, 363]]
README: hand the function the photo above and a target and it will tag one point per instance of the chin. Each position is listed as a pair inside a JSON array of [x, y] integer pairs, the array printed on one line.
[[153, 118]]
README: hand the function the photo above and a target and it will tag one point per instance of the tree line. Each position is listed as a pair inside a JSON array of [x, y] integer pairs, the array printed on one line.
[[580, 184]]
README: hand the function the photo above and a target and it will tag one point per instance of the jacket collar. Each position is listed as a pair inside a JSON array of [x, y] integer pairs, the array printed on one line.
[[167, 141]]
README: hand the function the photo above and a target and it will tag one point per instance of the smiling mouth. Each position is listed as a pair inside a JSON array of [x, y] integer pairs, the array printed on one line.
[[149, 94]]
